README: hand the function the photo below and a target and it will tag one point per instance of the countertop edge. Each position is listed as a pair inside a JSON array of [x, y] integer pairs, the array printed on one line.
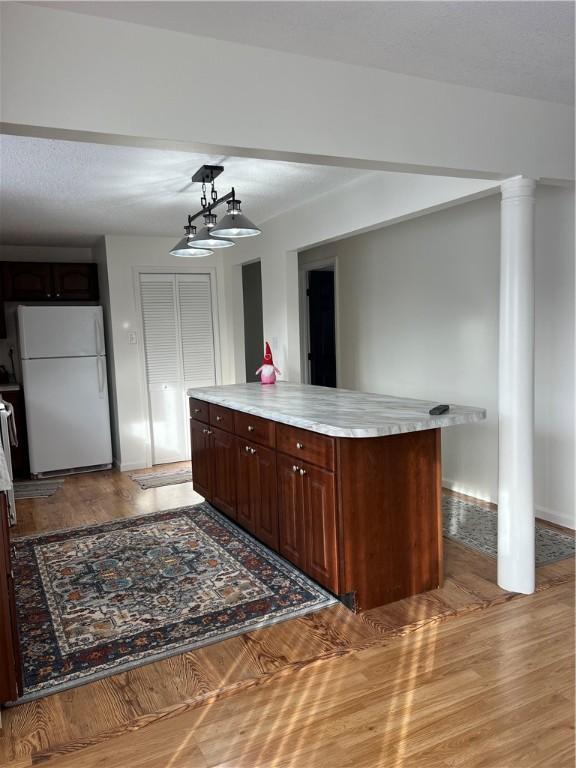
[[437, 422]]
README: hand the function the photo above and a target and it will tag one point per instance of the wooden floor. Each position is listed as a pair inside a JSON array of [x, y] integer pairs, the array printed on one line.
[[402, 685]]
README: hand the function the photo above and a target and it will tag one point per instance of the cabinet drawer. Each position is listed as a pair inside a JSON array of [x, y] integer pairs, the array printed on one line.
[[254, 428], [221, 417], [306, 445], [199, 410]]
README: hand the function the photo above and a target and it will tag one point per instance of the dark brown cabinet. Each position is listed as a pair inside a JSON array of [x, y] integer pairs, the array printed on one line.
[[27, 281], [223, 461], [10, 660], [201, 459], [43, 281], [256, 507], [291, 529], [361, 516], [307, 515], [75, 282]]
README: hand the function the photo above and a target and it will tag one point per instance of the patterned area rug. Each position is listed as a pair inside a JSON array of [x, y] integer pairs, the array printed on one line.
[[97, 600], [158, 479], [477, 527], [36, 489]]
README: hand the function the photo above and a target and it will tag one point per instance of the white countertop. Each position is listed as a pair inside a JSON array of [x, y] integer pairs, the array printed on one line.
[[336, 412]]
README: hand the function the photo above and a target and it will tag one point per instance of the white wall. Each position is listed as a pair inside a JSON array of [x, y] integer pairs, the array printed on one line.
[[119, 257], [418, 316], [364, 204], [71, 72]]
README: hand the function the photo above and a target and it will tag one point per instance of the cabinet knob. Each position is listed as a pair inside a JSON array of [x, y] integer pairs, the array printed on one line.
[[300, 446], [295, 468], [208, 431], [196, 410], [218, 418], [57, 295], [303, 472], [250, 428], [247, 449], [48, 295]]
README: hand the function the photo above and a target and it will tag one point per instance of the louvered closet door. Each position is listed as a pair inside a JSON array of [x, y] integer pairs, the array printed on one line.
[[179, 351]]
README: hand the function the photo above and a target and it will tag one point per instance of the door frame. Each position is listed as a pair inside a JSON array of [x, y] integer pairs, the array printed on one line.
[[329, 264], [184, 270]]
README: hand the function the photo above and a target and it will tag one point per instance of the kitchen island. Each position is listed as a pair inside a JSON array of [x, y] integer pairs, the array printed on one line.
[[346, 485]]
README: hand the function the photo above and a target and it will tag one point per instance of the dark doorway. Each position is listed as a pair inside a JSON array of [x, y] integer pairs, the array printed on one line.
[[322, 330], [253, 331]]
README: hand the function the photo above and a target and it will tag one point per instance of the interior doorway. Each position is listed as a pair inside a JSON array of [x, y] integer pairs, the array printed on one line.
[[253, 324], [320, 319]]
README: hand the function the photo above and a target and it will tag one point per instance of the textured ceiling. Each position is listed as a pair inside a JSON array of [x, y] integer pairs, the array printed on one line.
[[71, 193], [522, 48]]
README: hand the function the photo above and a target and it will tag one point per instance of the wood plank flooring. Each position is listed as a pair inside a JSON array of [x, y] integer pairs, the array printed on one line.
[[396, 686]]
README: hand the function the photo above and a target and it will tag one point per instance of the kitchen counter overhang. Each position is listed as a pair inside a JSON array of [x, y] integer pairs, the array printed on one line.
[[335, 412]]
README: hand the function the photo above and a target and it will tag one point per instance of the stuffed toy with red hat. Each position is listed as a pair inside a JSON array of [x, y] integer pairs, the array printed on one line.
[[267, 370]]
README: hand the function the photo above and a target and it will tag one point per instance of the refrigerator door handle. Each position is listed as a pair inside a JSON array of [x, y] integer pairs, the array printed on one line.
[[101, 376], [99, 336]]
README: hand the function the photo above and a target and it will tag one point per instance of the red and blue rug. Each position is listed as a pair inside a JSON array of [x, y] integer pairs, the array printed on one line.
[[101, 599]]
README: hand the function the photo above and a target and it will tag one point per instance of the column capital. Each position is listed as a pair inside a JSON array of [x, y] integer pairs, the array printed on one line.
[[518, 186]]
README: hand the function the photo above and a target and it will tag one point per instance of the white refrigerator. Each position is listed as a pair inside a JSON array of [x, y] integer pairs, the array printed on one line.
[[65, 388]]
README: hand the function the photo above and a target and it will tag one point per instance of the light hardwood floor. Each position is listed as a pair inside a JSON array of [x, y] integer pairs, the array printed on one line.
[[397, 686]]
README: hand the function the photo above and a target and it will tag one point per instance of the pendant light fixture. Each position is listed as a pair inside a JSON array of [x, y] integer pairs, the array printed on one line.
[[235, 224], [213, 235], [185, 250]]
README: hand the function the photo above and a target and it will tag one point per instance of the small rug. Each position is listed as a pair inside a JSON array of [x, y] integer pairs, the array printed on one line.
[[97, 600], [477, 527], [36, 489], [158, 479]]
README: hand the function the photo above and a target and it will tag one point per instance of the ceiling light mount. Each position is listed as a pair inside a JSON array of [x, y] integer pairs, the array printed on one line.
[[212, 235]]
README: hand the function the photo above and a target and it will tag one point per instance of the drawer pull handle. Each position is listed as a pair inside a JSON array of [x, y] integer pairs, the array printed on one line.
[[303, 472], [206, 431], [250, 428], [299, 446]]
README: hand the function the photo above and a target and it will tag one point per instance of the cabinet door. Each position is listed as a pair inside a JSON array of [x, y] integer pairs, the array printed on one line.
[[245, 486], [27, 281], [75, 282], [319, 495], [256, 498], [10, 662], [291, 533], [20, 462], [223, 458], [201, 459], [263, 477]]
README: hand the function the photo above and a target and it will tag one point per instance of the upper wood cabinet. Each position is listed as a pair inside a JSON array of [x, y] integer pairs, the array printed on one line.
[[42, 281], [75, 282], [27, 281]]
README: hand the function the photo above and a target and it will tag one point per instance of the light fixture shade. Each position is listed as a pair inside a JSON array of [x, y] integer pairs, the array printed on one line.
[[184, 249], [235, 225], [205, 239]]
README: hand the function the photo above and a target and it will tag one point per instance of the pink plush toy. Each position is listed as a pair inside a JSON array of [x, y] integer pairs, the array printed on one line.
[[267, 370]]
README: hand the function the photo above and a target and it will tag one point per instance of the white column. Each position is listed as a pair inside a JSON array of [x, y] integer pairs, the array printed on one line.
[[516, 556]]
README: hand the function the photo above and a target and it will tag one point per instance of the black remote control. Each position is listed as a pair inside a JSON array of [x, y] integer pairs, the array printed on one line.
[[439, 409]]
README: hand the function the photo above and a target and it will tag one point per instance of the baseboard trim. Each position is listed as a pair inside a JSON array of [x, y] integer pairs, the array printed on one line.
[[551, 515]]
